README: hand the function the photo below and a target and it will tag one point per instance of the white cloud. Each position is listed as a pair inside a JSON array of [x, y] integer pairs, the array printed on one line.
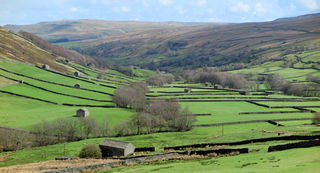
[[240, 7], [166, 2], [259, 8], [125, 9], [292, 7], [121, 9], [181, 10], [309, 4], [74, 9], [201, 3]]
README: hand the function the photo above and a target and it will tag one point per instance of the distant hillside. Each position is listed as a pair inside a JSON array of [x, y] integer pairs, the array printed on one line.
[[76, 30], [14, 47], [57, 50], [193, 47], [173, 45]]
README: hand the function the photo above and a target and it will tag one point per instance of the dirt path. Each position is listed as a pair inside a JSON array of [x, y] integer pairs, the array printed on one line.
[[51, 165]]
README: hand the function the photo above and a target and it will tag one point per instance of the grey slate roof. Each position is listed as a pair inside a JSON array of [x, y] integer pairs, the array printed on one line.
[[115, 144]]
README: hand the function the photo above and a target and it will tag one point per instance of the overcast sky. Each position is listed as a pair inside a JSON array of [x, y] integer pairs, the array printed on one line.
[[235, 11]]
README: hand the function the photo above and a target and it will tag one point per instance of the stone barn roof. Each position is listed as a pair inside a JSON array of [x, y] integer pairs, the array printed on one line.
[[115, 144]]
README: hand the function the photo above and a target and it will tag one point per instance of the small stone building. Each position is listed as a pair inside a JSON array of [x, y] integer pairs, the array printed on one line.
[[76, 73], [244, 92], [187, 90], [217, 86], [110, 148], [83, 112], [77, 85], [207, 84], [46, 67]]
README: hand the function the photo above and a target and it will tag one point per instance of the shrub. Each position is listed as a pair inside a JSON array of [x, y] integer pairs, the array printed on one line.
[[90, 151]]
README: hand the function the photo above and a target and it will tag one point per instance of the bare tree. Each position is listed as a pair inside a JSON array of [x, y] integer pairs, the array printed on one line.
[[160, 79], [43, 134], [131, 96]]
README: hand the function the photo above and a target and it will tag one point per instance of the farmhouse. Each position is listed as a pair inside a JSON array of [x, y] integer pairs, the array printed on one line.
[[46, 67], [187, 90], [208, 84], [111, 148], [76, 73], [83, 112], [77, 85]]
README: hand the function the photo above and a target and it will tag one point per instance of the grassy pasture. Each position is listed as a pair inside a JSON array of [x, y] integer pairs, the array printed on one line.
[[229, 112], [58, 88], [282, 162], [23, 113], [314, 103], [48, 76], [37, 93], [160, 140]]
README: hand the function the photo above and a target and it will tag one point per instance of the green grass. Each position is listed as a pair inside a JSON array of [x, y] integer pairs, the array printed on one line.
[[51, 77], [295, 160], [229, 112], [60, 89], [314, 103], [69, 44], [290, 72], [23, 113], [160, 140], [41, 94]]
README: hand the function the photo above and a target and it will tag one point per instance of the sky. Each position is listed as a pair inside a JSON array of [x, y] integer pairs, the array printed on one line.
[[226, 11]]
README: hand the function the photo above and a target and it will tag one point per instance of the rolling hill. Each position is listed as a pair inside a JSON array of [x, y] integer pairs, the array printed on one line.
[[189, 45], [84, 29], [14, 47]]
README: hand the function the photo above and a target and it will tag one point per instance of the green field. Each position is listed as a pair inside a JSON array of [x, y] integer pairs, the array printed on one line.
[[159, 140], [23, 113], [284, 161], [19, 112]]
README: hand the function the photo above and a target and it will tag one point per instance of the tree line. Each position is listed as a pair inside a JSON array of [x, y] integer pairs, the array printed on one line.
[[276, 82], [226, 79], [155, 116]]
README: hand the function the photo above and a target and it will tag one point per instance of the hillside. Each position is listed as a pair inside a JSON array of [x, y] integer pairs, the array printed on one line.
[[76, 30], [60, 51], [14, 47], [170, 46], [211, 45]]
